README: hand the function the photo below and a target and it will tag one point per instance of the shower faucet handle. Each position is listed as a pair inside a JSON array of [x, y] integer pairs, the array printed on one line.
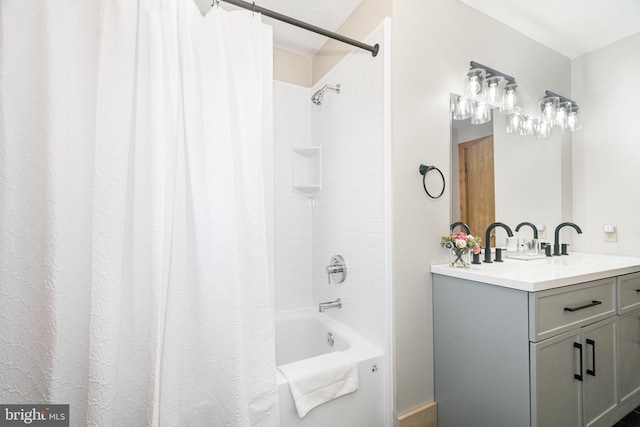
[[332, 269], [337, 266]]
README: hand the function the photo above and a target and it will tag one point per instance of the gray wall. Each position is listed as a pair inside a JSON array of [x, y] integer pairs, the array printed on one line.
[[607, 150]]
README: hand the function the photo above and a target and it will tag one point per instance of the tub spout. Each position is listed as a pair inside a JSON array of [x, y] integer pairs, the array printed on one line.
[[331, 304]]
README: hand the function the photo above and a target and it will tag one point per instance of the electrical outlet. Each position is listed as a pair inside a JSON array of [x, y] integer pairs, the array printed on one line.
[[610, 233], [542, 231]]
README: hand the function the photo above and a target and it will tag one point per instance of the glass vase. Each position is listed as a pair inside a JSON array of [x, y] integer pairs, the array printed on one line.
[[460, 258]]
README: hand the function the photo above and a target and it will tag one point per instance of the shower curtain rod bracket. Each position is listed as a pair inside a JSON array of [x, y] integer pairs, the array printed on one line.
[[292, 21]]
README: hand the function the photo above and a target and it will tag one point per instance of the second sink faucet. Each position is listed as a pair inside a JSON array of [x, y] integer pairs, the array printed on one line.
[[556, 242], [487, 248], [529, 224]]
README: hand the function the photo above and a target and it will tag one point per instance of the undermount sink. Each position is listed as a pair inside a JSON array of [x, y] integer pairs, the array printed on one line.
[[525, 257]]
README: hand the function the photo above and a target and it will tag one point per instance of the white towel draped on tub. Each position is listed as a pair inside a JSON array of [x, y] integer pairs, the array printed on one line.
[[320, 379]]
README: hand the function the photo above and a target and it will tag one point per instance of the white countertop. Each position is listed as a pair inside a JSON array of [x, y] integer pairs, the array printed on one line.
[[546, 273]]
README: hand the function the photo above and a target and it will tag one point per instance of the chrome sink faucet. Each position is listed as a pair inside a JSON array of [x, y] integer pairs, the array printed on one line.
[[487, 248], [330, 304], [556, 242]]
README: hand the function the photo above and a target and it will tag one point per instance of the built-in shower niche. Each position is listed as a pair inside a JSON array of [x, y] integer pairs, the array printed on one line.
[[307, 170]]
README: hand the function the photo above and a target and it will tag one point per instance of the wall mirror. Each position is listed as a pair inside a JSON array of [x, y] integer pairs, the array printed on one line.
[[499, 176]]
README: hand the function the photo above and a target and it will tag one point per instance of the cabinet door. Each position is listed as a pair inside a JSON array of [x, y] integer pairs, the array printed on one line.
[[599, 376], [556, 381], [629, 355]]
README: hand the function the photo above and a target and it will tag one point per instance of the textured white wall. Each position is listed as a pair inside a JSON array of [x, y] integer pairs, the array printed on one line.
[[606, 176]]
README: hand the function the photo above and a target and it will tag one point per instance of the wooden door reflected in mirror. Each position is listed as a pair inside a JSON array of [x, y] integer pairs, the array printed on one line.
[[477, 190]]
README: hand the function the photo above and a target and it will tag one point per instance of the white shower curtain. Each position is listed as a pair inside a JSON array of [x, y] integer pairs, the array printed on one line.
[[133, 250]]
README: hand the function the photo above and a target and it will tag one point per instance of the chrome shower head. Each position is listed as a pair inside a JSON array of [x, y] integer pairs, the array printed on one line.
[[317, 97]]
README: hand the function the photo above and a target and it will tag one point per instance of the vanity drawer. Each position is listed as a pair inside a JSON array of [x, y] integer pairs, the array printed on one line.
[[628, 292], [559, 310]]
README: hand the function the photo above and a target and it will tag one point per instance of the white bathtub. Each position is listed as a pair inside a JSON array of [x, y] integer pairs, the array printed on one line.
[[301, 334]]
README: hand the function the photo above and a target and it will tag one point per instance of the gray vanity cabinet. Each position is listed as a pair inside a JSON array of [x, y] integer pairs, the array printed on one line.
[[600, 398], [556, 396], [507, 357], [629, 340], [629, 356], [481, 354], [562, 393], [581, 362]]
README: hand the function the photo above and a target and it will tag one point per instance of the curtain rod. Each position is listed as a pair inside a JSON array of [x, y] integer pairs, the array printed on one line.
[[292, 21]]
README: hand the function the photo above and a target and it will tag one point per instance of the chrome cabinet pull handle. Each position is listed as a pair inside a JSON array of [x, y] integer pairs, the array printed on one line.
[[582, 307]]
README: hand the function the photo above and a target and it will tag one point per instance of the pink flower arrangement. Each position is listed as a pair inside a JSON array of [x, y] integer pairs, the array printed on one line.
[[461, 243]]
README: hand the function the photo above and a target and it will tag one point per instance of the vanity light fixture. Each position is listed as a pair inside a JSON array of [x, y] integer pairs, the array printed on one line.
[[486, 89], [556, 110], [491, 87], [566, 114]]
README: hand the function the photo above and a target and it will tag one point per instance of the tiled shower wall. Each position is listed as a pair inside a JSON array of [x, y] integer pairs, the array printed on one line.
[[348, 214], [348, 218]]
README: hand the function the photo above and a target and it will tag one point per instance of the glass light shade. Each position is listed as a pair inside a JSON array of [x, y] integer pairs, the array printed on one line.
[[543, 129], [514, 122], [462, 108], [573, 120], [475, 84], [528, 126], [495, 87], [548, 108], [510, 99], [561, 114], [481, 114]]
